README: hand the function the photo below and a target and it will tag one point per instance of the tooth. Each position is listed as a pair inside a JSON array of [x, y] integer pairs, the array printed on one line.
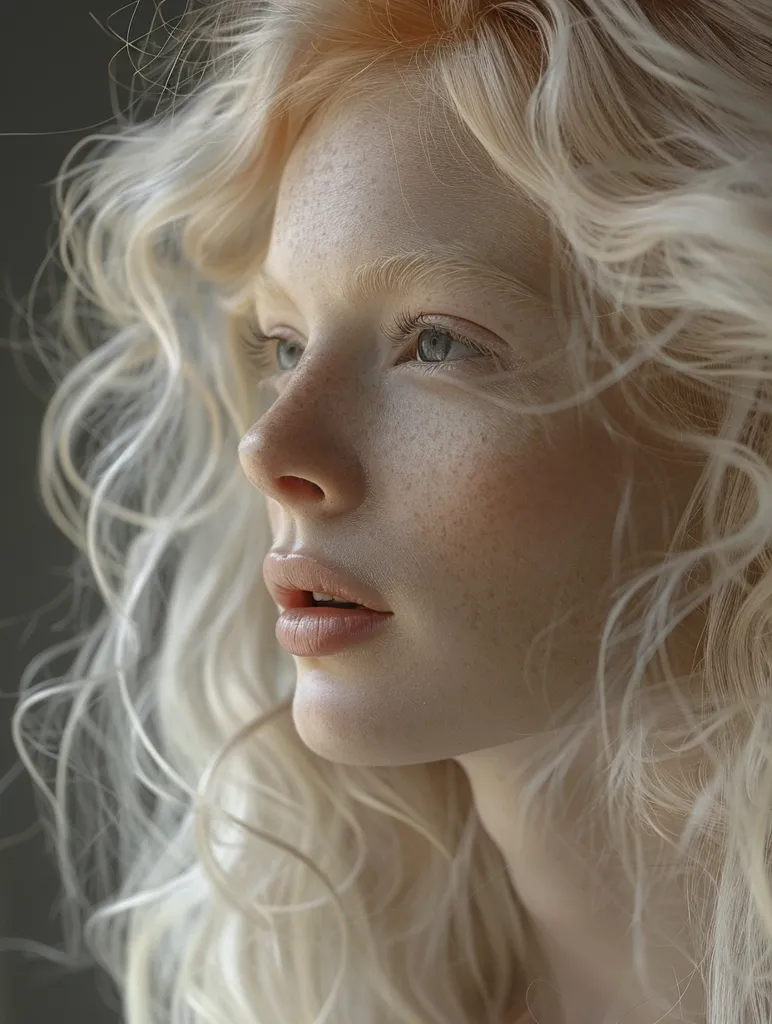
[[318, 596]]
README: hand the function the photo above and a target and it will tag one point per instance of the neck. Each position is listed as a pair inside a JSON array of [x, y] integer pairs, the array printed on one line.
[[578, 898]]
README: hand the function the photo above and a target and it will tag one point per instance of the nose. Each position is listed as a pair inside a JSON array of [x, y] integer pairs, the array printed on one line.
[[303, 451]]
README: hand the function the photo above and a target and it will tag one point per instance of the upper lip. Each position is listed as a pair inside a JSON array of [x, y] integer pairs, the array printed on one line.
[[291, 577]]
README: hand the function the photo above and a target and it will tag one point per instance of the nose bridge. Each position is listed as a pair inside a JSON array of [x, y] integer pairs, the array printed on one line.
[[327, 388], [306, 448]]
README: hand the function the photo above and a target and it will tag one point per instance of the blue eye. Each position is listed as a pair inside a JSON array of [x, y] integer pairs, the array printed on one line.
[[287, 350], [280, 355], [269, 354], [431, 352]]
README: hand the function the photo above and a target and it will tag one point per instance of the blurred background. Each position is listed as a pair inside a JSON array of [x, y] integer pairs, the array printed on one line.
[[57, 63]]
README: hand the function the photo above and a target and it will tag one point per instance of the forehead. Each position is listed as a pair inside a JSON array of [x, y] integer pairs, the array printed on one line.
[[396, 170]]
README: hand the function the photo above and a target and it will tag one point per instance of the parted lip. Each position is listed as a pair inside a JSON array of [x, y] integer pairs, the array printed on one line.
[[291, 577]]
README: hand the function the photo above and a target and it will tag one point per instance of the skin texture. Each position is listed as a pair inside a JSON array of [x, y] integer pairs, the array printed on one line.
[[477, 527]]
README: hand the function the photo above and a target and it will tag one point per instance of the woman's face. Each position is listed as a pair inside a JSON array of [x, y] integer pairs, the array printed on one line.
[[477, 529]]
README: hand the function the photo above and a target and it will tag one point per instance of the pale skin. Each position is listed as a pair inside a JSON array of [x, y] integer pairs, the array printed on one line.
[[477, 532]]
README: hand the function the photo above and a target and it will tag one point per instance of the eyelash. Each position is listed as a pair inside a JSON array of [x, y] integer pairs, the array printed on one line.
[[398, 332]]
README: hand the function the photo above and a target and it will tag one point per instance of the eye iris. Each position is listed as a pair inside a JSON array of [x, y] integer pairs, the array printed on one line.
[[283, 364], [426, 353]]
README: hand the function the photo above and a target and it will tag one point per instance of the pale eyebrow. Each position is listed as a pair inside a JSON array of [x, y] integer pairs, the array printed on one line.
[[449, 265]]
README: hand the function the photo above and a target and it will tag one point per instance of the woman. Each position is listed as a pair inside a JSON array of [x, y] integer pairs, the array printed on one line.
[[455, 317]]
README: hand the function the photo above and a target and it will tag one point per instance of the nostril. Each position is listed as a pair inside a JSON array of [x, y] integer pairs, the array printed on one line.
[[299, 487]]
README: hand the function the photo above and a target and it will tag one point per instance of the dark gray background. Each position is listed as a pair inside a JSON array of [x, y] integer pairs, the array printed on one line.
[[55, 66]]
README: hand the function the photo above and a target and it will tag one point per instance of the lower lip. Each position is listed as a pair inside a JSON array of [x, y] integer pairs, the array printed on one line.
[[307, 632]]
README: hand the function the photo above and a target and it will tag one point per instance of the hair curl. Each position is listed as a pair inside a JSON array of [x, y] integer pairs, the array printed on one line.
[[231, 877]]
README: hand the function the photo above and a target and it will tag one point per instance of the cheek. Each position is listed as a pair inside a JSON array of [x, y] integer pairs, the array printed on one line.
[[504, 500]]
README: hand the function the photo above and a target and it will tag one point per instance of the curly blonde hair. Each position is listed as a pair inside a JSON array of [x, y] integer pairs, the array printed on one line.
[[220, 871]]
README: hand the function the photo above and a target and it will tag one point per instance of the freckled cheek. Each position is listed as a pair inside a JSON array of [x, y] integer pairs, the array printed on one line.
[[492, 504], [507, 505]]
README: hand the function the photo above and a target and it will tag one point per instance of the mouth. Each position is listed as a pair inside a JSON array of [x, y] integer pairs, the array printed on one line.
[[314, 627], [312, 599], [297, 580], [327, 601], [290, 599]]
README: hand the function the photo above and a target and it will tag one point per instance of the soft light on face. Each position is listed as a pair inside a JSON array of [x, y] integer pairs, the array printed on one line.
[[477, 530]]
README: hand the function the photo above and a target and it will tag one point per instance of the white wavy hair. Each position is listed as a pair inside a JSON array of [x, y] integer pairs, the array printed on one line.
[[220, 871]]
